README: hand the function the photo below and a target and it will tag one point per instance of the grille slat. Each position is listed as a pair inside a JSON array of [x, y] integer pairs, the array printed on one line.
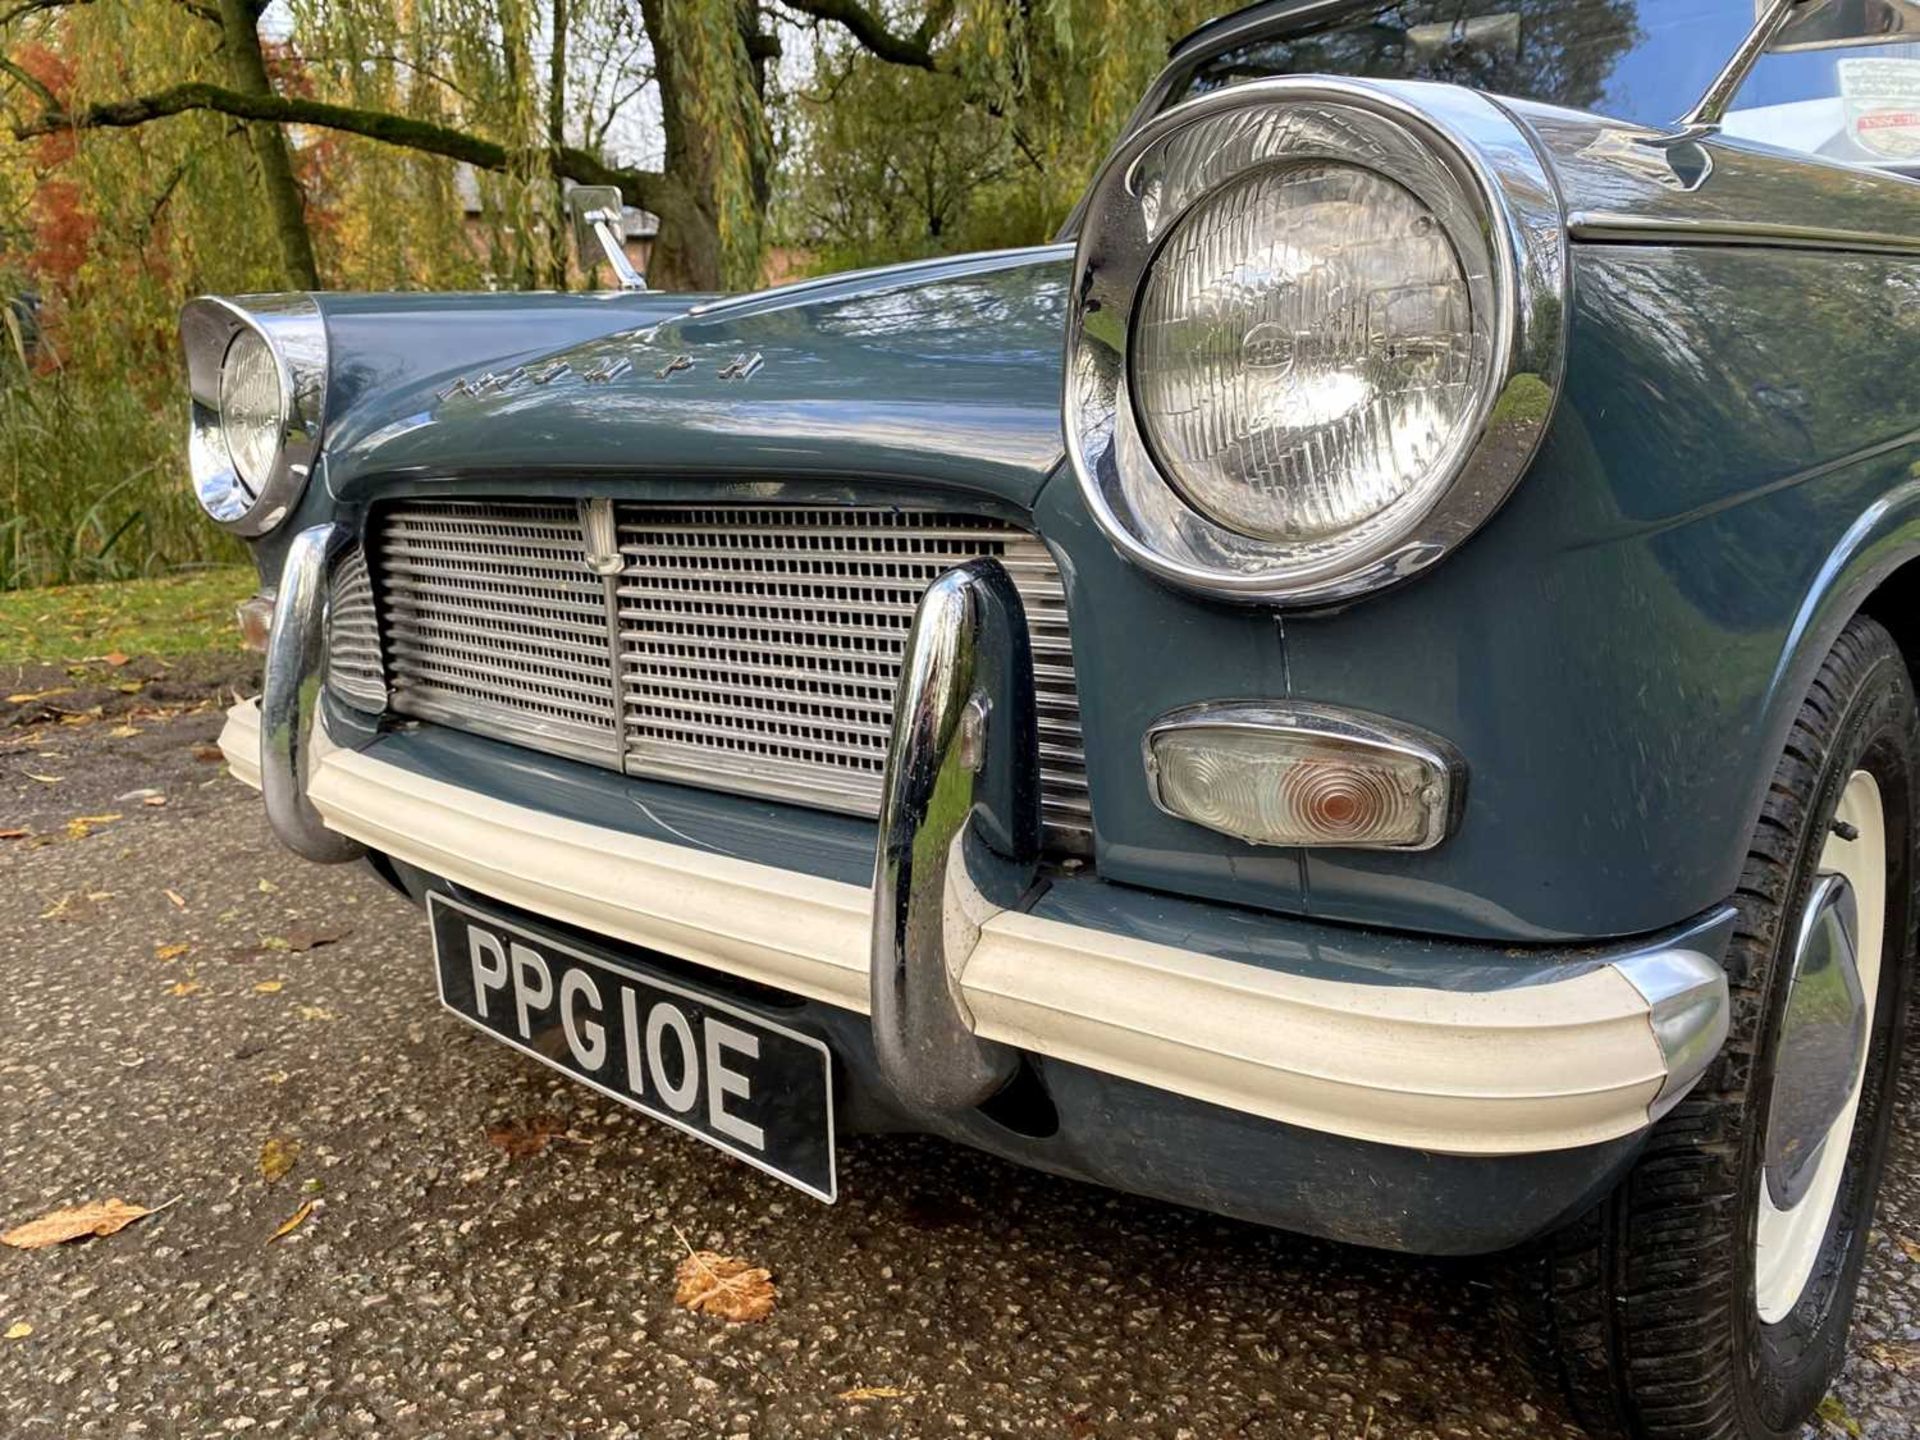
[[354, 670], [753, 648]]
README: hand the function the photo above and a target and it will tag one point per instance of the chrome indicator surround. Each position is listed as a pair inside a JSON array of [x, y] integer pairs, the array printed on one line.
[[296, 334], [1355, 731], [1480, 149]]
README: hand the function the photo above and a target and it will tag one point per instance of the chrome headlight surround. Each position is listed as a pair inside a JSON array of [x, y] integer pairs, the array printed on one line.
[[1456, 151], [296, 336]]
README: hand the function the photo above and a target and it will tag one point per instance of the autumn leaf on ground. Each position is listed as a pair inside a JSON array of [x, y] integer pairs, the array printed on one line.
[[523, 1139], [28, 697], [1902, 1355], [178, 901], [14, 834], [19, 1330], [123, 732], [861, 1393], [277, 1157], [171, 952], [316, 1012], [182, 988], [293, 1222], [43, 779], [82, 826], [1909, 1247], [208, 754], [113, 658], [266, 886], [713, 1284], [270, 987], [301, 941], [97, 1217]]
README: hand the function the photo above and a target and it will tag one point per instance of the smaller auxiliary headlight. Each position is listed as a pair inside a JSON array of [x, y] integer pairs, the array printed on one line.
[[1275, 773]]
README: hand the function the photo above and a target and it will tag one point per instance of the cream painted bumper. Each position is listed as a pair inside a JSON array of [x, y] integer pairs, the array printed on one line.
[[1521, 1070]]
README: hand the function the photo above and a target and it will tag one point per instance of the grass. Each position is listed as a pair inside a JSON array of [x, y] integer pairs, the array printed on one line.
[[169, 617]]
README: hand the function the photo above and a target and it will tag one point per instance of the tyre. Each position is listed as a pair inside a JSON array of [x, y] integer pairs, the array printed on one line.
[[1709, 1296]]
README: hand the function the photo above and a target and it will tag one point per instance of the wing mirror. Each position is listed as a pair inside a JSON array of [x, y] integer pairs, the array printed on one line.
[[596, 212], [1838, 24]]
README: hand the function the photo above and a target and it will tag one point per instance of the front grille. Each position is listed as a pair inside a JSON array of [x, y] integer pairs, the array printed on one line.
[[354, 671], [747, 648]]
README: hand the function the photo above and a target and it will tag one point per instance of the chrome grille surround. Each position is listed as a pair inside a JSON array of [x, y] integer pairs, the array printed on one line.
[[355, 672], [749, 648]]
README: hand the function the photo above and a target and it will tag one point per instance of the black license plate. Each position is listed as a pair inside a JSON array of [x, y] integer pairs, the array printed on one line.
[[755, 1089]]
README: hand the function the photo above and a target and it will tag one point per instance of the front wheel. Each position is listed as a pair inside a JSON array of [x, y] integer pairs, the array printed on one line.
[[1710, 1296]]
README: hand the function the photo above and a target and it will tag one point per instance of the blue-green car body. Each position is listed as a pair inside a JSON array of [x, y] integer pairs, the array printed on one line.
[[1730, 470]]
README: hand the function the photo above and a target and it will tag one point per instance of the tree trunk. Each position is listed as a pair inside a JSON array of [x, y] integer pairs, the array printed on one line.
[[557, 139], [686, 252], [247, 65]]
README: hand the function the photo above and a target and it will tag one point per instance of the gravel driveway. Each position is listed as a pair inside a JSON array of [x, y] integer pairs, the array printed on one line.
[[179, 991]]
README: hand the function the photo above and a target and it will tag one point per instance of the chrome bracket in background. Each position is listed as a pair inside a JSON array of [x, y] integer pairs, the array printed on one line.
[[959, 836], [290, 698]]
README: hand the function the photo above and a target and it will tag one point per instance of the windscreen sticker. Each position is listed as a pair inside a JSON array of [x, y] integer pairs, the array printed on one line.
[[1882, 101]]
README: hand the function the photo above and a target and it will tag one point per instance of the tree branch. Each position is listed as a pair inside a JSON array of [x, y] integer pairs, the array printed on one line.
[[640, 187], [26, 78], [870, 30]]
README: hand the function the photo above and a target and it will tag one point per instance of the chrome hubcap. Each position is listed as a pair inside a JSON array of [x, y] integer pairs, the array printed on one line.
[[1822, 1052]]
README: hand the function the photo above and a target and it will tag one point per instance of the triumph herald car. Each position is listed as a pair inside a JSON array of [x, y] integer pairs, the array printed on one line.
[[1368, 688]]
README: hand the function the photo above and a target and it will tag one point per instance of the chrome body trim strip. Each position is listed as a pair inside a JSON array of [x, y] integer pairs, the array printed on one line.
[[1600, 227], [964, 711], [290, 698]]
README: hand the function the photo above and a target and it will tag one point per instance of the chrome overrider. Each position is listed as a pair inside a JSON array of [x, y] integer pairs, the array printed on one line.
[[959, 836], [290, 697]]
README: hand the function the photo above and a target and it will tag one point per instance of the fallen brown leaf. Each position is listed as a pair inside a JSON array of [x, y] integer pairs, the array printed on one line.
[[1909, 1247], [171, 952], [113, 658], [179, 900], [123, 732], [860, 1393], [28, 697], [19, 1330], [523, 1139], [208, 754], [14, 834], [293, 1222], [270, 987], [131, 687], [182, 988], [1899, 1355], [97, 1217], [713, 1284], [154, 800], [277, 1157]]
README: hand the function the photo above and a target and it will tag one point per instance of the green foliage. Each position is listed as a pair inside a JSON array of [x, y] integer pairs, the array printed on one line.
[[991, 145], [188, 614]]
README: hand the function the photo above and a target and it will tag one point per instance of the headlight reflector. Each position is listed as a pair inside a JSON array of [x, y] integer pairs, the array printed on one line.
[[252, 407], [1303, 351]]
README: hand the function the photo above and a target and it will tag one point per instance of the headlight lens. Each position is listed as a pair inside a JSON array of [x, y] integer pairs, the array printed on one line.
[[252, 407], [1302, 352]]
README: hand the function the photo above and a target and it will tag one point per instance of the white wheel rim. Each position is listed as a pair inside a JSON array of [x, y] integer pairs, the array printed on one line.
[[1787, 1243]]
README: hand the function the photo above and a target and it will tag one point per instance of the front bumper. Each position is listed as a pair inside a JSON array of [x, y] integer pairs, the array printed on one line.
[[1461, 1095], [1486, 1057]]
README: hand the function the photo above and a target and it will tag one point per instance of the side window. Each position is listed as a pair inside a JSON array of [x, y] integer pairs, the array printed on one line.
[[1859, 104]]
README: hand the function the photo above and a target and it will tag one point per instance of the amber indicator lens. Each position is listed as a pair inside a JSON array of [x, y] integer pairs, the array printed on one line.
[[1275, 787]]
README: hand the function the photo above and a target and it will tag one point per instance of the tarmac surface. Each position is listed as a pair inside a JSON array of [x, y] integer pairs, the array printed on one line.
[[178, 992]]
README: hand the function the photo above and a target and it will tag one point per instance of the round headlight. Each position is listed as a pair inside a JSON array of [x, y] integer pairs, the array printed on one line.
[[1315, 334], [256, 405], [1302, 352], [252, 407]]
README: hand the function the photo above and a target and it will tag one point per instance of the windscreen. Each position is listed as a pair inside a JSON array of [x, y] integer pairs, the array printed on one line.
[[1646, 61]]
